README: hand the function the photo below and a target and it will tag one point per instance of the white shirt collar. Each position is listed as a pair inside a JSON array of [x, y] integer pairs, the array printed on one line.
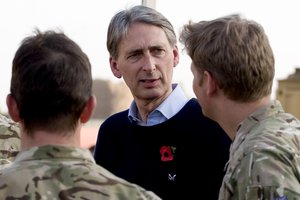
[[167, 109]]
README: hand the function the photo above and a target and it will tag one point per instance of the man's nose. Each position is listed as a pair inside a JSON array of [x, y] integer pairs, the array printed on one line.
[[149, 62]]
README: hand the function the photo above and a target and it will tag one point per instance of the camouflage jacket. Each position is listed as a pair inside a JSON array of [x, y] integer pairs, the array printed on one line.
[[60, 172], [264, 157], [9, 141]]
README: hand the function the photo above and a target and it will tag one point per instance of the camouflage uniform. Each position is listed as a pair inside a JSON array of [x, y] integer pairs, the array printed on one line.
[[61, 172], [9, 141], [264, 157]]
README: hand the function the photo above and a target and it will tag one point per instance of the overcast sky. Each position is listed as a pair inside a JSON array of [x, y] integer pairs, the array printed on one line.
[[86, 21]]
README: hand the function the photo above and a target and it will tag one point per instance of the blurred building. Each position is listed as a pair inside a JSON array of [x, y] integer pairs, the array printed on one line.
[[111, 97], [288, 93]]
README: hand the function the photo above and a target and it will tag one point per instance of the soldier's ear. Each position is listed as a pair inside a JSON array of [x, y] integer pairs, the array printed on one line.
[[12, 107], [88, 109], [211, 83]]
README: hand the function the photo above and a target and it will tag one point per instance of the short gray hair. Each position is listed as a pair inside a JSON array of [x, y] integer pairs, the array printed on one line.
[[121, 21]]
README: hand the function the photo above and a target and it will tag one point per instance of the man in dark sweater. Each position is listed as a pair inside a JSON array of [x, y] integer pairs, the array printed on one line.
[[162, 142]]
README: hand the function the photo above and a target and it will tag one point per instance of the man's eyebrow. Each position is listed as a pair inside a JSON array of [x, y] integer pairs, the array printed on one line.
[[134, 51], [138, 50], [156, 47]]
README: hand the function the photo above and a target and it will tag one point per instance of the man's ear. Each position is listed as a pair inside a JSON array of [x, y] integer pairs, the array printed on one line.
[[88, 109], [114, 67], [12, 107], [176, 55], [211, 84]]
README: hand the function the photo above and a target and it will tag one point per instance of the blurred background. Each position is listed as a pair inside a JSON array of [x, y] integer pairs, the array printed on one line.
[[86, 21]]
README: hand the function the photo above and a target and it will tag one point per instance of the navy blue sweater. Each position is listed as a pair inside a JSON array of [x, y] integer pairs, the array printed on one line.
[[182, 158]]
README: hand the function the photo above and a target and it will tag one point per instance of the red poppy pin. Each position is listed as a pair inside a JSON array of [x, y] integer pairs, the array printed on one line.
[[167, 153]]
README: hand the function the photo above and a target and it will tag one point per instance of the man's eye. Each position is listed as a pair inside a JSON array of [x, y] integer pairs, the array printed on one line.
[[158, 52], [134, 56]]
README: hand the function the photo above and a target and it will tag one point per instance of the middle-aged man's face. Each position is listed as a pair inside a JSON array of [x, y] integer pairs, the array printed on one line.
[[146, 60]]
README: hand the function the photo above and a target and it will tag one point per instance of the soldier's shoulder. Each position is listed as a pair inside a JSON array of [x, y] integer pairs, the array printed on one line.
[[8, 126], [10, 143]]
